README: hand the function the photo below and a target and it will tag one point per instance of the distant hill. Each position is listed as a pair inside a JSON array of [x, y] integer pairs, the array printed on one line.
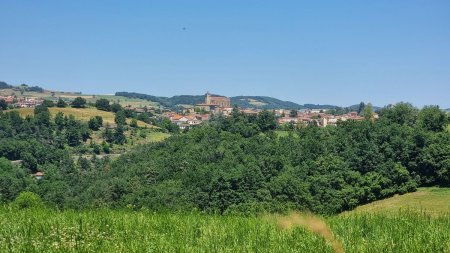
[[263, 102], [4, 85], [258, 102], [24, 87], [356, 107]]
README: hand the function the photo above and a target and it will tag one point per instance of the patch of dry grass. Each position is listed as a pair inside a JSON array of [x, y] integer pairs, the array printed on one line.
[[311, 223]]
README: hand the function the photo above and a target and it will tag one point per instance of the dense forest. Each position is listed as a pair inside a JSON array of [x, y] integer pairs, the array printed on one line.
[[237, 164]]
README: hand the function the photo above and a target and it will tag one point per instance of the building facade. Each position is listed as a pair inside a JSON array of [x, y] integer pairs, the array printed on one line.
[[220, 101]]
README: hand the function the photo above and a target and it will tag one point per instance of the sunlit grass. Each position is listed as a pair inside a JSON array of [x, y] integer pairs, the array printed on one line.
[[433, 200], [143, 231]]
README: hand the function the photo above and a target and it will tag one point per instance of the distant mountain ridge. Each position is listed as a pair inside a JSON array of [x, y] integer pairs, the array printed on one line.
[[256, 102]]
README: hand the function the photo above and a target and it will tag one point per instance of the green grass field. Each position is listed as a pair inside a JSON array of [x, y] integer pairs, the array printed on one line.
[[42, 230], [434, 201]]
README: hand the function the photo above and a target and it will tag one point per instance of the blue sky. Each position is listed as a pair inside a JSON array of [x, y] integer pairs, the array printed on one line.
[[333, 52]]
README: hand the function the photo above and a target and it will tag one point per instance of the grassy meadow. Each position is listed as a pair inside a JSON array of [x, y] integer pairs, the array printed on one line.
[[41, 230], [432, 200]]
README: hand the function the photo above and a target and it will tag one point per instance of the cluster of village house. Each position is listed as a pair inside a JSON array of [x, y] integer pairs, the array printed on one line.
[[215, 104], [22, 102]]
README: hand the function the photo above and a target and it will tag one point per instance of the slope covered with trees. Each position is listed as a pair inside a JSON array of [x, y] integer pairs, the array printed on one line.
[[239, 164]]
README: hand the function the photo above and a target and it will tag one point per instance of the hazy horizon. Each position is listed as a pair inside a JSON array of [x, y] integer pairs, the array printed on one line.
[[320, 53]]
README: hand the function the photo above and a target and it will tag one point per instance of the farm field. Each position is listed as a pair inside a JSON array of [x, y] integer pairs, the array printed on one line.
[[41, 230], [434, 201], [83, 114], [124, 101]]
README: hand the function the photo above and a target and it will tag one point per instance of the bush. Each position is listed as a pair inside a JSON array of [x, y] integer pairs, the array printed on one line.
[[79, 102], [102, 104], [61, 103], [27, 200]]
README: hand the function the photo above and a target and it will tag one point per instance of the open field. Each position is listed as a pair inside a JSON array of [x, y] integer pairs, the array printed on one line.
[[256, 102], [124, 101], [434, 201], [83, 114], [39, 230]]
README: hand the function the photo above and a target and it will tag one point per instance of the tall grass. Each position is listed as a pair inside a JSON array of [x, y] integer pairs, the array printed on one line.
[[41, 230]]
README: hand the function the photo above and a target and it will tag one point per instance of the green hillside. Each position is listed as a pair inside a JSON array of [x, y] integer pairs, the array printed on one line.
[[83, 114], [435, 201], [257, 102], [263, 102]]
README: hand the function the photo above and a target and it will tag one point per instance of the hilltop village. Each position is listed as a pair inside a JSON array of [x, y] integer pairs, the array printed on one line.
[[221, 105], [213, 104]]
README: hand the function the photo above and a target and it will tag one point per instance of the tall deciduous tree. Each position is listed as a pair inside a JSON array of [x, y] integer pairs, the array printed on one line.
[[432, 118]]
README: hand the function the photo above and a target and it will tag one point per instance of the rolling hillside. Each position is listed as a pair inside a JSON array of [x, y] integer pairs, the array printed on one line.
[[262, 102], [83, 114], [433, 200], [140, 100], [257, 102], [38, 92]]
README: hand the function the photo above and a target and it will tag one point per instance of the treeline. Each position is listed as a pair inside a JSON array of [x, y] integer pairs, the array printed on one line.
[[240, 164], [4, 85], [169, 102], [147, 117], [42, 139], [22, 87]]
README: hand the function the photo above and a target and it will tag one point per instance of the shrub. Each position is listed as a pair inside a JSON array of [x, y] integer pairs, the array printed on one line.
[[27, 200]]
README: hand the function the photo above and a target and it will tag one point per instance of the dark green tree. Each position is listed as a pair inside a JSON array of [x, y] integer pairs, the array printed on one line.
[[120, 118], [266, 121], [61, 103], [60, 121], [102, 104], [432, 118], [116, 107], [48, 103], [95, 123], [3, 104], [79, 102], [119, 136], [293, 113]]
